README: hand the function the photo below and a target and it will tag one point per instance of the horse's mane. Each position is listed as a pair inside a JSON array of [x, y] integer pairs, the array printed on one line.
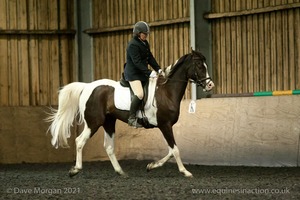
[[187, 57], [175, 66]]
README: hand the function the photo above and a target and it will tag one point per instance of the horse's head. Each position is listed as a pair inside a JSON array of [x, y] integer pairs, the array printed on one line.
[[198, 71]]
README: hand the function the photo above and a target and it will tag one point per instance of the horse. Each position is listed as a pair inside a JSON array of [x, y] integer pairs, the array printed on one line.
[[93, 105]]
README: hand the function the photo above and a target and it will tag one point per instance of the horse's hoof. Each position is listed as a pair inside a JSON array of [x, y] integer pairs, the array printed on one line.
[[149, 167], [122, 174], [73, 171], [187, 174]]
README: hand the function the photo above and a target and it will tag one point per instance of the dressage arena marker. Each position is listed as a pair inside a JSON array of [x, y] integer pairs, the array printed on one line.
[[192, 106]]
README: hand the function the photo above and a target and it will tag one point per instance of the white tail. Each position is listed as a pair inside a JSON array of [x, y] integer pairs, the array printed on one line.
[[62, 119]]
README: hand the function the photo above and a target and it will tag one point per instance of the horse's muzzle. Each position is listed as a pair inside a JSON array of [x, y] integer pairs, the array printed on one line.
[[209, 85]]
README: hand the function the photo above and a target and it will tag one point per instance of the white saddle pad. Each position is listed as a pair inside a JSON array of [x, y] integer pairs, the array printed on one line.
[[123, 97]]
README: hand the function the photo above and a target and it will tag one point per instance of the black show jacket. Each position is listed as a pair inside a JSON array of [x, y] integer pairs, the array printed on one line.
[[138, 56]]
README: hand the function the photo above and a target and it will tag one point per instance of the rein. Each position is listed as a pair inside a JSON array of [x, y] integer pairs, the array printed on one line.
[[198, 82]]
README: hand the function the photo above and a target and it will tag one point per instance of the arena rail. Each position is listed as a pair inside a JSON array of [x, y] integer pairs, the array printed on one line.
[[257, 94]]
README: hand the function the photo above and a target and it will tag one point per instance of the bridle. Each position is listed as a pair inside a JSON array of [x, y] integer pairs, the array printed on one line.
[[199, 82]]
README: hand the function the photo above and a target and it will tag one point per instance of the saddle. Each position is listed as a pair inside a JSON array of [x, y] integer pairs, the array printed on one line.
[[144, 120], [125, 83]]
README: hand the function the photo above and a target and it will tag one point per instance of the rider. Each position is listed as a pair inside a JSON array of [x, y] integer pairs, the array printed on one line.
[[136, 70]]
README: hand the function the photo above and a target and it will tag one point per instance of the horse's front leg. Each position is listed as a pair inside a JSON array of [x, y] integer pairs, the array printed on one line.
[[173, 151], [181, 167], [161, 162]]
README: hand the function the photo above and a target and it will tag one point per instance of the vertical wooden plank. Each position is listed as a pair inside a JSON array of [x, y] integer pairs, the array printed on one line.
[[186, 10], [177, 42], [116, 62], [34, 87], [54, 75], [116, 14], [103, 41], [223, 49], [291, 49], [120, 12], [96, 13], [285, 55], [249, 68], [216, 50], [4, 69], [244, 50], [228, 50], [65, 62], [256, 37], [63, 43], [180, 8], [239, 57], [43, 16], [165, 9], [13, 55], [273, 49], [233, 46], [63, 5], [279, 47], [297, 47], [23, 54], [133, 10], [261, 34], [267, 49]]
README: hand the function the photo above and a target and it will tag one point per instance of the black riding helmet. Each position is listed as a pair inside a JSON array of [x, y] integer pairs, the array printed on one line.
[[141, 27]]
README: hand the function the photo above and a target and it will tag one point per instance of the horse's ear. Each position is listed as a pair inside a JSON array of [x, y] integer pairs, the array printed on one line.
[[193, 52]]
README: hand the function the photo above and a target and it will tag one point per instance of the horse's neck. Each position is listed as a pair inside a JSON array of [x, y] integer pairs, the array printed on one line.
[[177, 84]]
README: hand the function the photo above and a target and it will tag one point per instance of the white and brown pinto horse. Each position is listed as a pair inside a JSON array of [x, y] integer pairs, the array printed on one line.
[[94, 104]]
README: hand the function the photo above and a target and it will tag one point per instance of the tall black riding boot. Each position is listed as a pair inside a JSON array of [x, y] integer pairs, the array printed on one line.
[[135, 104]]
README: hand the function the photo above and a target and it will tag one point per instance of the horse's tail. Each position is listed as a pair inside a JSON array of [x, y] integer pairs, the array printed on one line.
[[62, 118]]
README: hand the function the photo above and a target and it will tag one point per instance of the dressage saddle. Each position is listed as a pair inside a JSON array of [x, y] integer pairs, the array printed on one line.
[[125, 83], [144, 120]]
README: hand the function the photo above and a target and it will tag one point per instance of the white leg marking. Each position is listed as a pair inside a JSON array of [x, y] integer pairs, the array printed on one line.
[[80, 142], [109, 147], [161, 162], [181, 167]]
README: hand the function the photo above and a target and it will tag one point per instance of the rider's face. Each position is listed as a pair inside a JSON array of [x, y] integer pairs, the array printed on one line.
[[143, 36]]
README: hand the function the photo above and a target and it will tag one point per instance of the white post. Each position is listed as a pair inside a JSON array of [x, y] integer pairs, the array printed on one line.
[[192, 107]]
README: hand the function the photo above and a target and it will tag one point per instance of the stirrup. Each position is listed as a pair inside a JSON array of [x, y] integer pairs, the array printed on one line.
[[134, 123]]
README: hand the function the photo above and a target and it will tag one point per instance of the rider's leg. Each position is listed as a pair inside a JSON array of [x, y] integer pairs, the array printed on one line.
[[137, 89]]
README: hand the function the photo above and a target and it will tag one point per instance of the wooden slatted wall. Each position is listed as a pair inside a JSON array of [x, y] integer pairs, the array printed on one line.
[[37, 50], [256, 45], [113, 21]]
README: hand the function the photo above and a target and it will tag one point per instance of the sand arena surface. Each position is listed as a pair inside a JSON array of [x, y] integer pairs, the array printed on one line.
[[99, 181]]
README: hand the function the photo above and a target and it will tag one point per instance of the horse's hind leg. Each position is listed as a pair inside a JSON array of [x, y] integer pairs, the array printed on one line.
[[109, 132], [80, 142], [109, 147]]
